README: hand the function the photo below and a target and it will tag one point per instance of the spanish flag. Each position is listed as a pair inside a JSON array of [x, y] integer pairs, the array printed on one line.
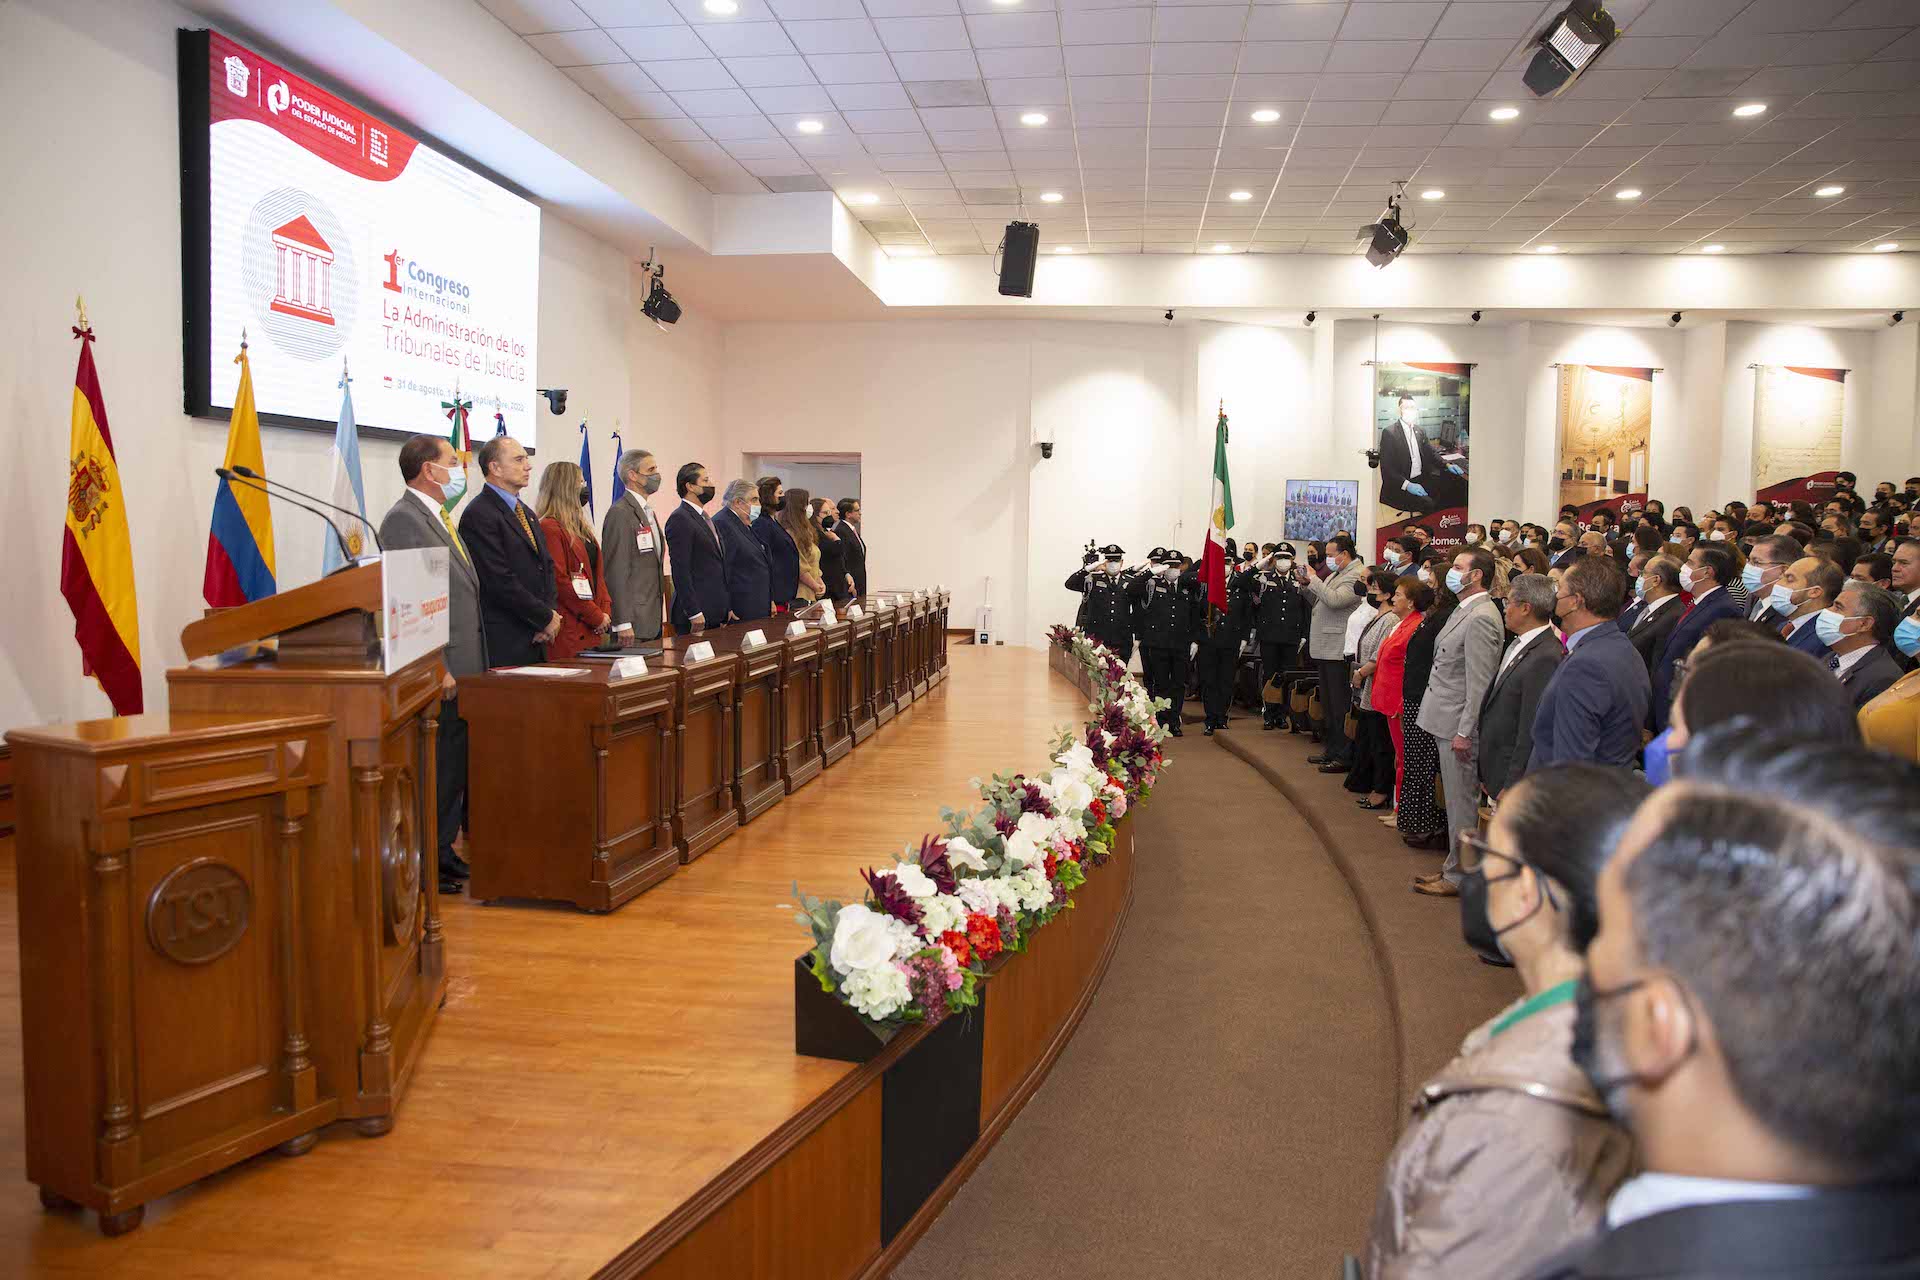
[[240, 543], [96, 555]]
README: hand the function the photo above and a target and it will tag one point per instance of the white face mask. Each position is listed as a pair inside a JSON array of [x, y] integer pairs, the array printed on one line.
[[753, 512], [1686, 578], [1472, 538], [1718, 535], [1506, 535]]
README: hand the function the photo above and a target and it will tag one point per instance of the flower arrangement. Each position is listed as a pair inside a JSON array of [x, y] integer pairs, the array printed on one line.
[[918, 946]]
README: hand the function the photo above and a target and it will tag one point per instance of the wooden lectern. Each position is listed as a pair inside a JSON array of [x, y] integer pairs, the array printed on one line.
[[379, 964]]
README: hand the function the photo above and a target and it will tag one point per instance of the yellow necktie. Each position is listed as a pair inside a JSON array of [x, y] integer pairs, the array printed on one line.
[[519, 509], [452, 536]]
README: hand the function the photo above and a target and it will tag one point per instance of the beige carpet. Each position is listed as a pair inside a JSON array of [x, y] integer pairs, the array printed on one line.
[[1224, 1108]]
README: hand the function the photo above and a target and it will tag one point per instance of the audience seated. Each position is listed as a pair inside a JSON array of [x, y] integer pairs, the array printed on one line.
[[1751, 1014], [1510, 1152]]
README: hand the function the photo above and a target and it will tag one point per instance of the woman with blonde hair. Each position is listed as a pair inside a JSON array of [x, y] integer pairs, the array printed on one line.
[[581, 592], [797, 519]]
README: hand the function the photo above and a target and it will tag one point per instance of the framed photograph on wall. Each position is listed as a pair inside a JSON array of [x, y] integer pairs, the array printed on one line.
[[1423, 436], [1318, 509]]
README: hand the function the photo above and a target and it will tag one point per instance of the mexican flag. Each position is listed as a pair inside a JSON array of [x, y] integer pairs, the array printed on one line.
[[1213, 562], [457, 411]]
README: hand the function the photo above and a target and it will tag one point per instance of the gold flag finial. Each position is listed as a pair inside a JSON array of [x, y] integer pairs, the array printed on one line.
[[80, 308]]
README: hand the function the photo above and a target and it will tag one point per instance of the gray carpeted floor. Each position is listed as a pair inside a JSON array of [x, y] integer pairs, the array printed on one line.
[[1226, 1104]]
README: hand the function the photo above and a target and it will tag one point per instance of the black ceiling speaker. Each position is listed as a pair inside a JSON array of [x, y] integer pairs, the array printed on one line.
[[1568, 46], [1019, 251]]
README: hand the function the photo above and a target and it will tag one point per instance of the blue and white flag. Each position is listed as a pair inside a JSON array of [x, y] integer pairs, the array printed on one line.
[[346, 490], [619, 485], [586, 464]]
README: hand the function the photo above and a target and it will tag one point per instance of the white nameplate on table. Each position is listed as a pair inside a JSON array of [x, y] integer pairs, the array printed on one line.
[[414, 597], [699, 652], [544, 671], [826, 614], [796, 628], [628, 667], [754, 639], [854, 611], [885, 603]]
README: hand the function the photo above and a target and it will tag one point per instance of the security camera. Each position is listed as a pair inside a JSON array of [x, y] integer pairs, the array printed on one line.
[[1169, 315], [556, 399], [1896, 318], [1673, 321], [1310, 316], [1476, 317], [1046, 448]]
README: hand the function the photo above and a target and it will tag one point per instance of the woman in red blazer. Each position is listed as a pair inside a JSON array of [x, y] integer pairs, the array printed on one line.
[[1390, 669], [585, 611]]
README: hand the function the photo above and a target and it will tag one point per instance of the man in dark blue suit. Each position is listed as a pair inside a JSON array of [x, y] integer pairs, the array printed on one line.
[[502, 537], [1809, 586], [1596, 702], [693, 548], [1708, 569], [748, 595]]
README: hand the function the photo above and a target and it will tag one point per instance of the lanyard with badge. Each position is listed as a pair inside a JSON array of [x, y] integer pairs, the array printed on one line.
[[643, 540]]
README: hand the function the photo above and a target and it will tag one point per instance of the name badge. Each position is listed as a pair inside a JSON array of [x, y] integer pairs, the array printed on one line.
[[643, 540], [581, 587], [699, 652]]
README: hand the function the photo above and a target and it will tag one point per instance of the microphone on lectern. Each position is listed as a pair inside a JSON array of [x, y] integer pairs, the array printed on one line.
[[251, 474], [232, 475]]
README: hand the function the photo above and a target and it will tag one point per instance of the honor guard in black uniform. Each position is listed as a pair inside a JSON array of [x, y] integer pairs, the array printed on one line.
[[1106, 612], [1280, 614], [1220, 643], [1166, 602]]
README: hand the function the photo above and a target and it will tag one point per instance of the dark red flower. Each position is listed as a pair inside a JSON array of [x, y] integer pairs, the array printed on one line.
[[890, 899], [933, 861]]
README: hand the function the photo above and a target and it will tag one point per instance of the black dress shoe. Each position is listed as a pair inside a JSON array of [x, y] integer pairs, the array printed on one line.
[[1319, 759], [1177, 733], [1334, 766], [454, 866], [450, 885], [1209, 731]]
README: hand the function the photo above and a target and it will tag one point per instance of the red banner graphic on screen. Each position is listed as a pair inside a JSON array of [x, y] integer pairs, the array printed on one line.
[[1816, 488], [242, 85]]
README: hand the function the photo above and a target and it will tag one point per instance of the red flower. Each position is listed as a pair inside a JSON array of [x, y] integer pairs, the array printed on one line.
[[984, 933], [1051, 863], [1098, 812], [956, 942]]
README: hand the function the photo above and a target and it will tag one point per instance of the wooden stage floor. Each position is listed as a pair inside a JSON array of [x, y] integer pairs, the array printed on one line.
[[589, 1073]]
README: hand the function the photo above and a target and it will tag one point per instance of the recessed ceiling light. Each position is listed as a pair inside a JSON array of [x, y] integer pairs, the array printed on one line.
[[722, 8], [1627, 193], [1713, 248], [1546, 248], [1223, 248], [1746, 109], [1265, 115], [1503, 113], [1034, 118], [1433, 193], [809, 126], [1051, 197], [1888, 247], [1063, 248], [865, 197], [1830, 190], [1239, 195]]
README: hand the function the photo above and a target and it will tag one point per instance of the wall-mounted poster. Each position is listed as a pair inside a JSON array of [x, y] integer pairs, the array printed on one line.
[[1797, 415], [1318, 509], [1606, 421], [1422, 432]]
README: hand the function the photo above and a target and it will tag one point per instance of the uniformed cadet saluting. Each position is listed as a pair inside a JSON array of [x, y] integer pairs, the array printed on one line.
[[1280, 616], [1105, 612], [1220, 641], [1166, 604]]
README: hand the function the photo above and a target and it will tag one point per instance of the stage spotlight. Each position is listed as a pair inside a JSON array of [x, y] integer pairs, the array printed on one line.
[[658, 306], [1568, 47], [1387, 238], [1673, 321], [1310, 316], [556, 399]]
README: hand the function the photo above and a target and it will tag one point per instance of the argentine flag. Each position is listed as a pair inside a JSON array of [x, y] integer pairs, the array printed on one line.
[[346, 489]]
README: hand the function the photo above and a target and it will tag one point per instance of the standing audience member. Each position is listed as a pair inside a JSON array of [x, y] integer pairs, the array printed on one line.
[[1510, 1153], [693, 546], [434, 477], [1466, 653], [1771, 556], [1758, 684], [797, 519], [1421, 823], [516, 576], [1334, 597], [1593, 708], [1657, 612], [1706, 572], [1809, 585], [783, 557], [854, 555], [1408, 602], [1280, 615], [1373, 764], [1165, 602], [749, 597], [633, 542], [1857, 631], [1752, 1015], [1513, 699], [837, 585], [579, 589]]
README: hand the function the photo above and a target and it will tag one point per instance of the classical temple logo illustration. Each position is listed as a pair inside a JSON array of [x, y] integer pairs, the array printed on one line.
[[303, 272]]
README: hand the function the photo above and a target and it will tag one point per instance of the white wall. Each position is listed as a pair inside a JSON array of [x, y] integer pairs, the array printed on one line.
[[96, 213]]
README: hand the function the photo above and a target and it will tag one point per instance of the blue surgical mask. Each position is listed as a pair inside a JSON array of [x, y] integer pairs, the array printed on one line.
[[454, 485], [1393, 556], [1781, 597], [1640, 588], [1456, 581], [1658, 758], [1826, 624], [1751, 576], [1906, 636], [753, 512]]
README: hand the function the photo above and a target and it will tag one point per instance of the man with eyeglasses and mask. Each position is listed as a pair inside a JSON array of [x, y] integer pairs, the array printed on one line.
[[1751, 1013]]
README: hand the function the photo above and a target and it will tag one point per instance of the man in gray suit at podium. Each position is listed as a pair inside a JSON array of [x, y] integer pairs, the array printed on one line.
[[633, 543], [419, 519]]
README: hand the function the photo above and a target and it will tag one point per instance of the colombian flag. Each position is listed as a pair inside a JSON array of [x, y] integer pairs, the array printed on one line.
[[96, 555], [240, 543]]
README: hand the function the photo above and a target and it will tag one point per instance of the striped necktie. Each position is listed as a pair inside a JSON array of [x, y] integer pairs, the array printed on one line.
[[520, 510]]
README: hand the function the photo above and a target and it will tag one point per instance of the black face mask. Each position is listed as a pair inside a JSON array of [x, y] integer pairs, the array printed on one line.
[[1474, 925], [1557, 544], [586, 495], [706, 495], [780, 503]]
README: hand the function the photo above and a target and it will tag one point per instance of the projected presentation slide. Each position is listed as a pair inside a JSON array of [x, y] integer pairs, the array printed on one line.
[[332, 235], [1318, 509]]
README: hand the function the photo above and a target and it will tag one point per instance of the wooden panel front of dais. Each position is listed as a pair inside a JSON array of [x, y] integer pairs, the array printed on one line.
[[704, 811], [836, 692]]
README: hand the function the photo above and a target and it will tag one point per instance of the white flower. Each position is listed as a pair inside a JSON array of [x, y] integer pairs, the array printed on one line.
[[1078, 758], [1033, 888], [862, 939], [962, 852], [940, 913], [878, 992], [1070, 793], [910, 877], [1022, 846], [988, 895]]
